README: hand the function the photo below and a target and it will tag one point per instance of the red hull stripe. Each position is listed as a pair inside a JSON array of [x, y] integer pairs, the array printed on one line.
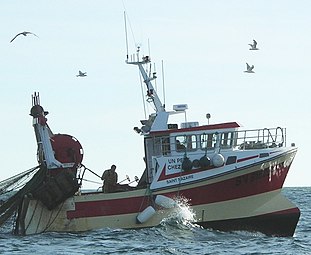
[[108, 207], [238, 187]]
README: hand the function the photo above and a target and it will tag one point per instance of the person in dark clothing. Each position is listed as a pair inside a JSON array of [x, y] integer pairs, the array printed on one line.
[[110, 178]]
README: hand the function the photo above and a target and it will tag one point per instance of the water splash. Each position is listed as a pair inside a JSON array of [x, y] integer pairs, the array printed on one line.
[[182, 215]]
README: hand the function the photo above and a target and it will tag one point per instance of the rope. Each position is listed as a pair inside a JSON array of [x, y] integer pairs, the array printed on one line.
[[31, 218], [91, 171], [51, 221], [92, 181], [149, 196]]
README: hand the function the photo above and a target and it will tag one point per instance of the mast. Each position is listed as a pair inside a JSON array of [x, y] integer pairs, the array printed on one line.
[[151, 92], [157, 121]]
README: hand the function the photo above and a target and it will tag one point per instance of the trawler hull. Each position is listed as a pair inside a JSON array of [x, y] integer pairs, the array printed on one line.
[[248, 199]]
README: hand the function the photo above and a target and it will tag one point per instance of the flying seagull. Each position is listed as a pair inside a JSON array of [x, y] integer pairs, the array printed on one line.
[[253, 46], [81, 74], [249, 68], [24, 34]]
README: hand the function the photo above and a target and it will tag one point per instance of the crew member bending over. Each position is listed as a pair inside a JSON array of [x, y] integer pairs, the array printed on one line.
[[110, 178]]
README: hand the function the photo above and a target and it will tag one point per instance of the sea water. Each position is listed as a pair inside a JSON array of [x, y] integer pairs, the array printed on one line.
[[176, 235]]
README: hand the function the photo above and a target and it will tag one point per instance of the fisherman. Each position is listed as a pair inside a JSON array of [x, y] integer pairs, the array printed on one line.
[[110, 178]]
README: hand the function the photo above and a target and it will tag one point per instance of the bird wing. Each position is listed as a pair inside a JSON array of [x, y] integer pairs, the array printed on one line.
[[251, 68], [27, 33], [80, 73], [32, 34], [255, 43], [247, 66], [15, 37]]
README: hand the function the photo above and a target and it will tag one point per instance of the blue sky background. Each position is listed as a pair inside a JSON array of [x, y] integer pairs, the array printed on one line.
[[204, 46]]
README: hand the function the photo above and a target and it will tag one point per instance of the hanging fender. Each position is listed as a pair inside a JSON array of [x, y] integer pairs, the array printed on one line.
[[145, 215]]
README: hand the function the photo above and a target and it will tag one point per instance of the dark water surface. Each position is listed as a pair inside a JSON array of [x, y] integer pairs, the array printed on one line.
[[175, 236]]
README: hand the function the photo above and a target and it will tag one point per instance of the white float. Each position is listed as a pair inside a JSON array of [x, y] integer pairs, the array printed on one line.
[[145, 214], [165, 202], [218, 160]]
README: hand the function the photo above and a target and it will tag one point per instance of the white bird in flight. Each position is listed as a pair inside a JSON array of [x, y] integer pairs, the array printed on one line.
[[253, 46], [24, 34], [81, 74], [249, 68]]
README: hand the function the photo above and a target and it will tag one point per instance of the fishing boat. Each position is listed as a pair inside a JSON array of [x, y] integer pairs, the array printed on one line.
[[231, 178]]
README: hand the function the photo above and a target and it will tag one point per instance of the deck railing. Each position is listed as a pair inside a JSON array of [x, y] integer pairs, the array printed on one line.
[[211, 142], [261, 138]]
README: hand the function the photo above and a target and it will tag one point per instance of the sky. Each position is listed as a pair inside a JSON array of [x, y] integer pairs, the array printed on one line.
[[203, 45]]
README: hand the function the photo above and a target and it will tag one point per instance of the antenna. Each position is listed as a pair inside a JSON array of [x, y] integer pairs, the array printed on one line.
[[163, 85], [149, 47], [35, 99], [126, 40], [154, 75]]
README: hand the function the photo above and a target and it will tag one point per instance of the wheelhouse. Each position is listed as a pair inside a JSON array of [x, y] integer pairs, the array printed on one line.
[[192, 142]]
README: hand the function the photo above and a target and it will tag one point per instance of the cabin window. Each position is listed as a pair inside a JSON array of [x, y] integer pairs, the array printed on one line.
[[208, 141], [185, 142], [162, 145], [157, 146], [166, 145], [226, 140]]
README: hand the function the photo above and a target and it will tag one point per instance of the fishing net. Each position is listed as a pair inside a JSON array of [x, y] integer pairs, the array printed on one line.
[[13, 190]]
